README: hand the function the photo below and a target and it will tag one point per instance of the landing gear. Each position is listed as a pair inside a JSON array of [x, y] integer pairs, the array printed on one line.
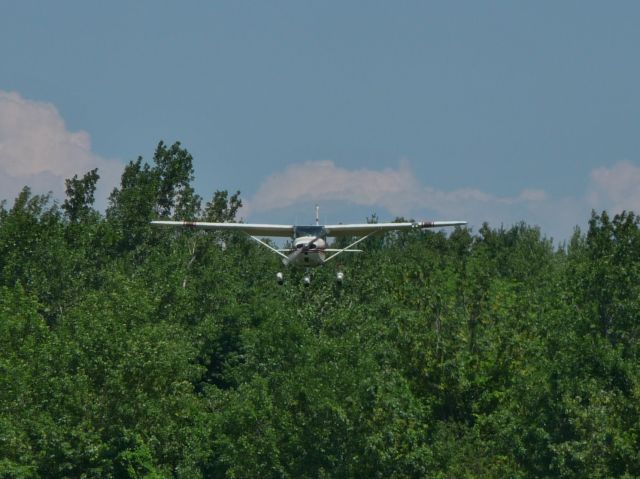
[[306, 279]]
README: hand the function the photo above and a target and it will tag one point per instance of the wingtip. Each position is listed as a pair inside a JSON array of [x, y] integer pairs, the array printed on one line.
[[439, 224]]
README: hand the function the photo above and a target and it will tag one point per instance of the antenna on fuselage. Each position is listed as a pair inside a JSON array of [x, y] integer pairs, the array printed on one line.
[[317, 215]]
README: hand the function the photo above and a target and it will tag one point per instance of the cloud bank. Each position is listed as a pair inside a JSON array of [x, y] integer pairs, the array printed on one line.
[[398, 192], [36, 149], [323, 180], [618, 187]]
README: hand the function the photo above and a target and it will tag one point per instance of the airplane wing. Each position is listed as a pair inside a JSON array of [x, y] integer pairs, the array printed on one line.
[[250, 228], [368, 228], [289, 231]]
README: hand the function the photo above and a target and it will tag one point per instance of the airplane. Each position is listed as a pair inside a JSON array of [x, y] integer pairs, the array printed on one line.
[[309, 248]]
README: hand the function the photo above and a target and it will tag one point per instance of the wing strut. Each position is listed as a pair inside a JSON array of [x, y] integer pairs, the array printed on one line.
[[350, 246], [267, 246]]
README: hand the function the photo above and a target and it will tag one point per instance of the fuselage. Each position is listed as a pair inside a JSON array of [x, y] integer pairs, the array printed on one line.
[[311, 251]]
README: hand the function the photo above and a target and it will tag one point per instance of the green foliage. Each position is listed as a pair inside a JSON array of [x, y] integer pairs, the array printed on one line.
[[174, 172], [80, 195], [132, 352], [222, 208]]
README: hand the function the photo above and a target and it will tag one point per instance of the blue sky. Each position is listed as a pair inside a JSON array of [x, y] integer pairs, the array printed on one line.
[[485, 111]]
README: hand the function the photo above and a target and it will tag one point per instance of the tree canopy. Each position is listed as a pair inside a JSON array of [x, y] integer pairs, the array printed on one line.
[[138, 353]]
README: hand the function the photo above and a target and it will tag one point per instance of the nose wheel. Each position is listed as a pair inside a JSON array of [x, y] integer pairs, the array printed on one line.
[[306, 279], [339, 277], [279, 277]]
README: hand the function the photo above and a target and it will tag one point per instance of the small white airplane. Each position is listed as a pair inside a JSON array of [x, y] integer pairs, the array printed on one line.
[[309, 241]]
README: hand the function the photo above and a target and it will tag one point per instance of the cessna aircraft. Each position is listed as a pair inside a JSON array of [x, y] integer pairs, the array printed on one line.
[[309, 241]]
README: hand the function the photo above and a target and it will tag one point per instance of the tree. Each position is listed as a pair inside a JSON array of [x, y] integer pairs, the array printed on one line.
[[222, 208], [176, 197], [129, 352], [80, 195], [149, 192]]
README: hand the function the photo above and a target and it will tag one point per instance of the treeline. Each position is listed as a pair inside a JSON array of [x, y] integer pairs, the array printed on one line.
[[131, 352]]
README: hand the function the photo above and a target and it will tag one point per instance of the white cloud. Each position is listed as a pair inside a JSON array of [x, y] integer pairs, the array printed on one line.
[[616, 188], [532, 194], [324, 181], [36, 149], [394, 189], [397, 192]]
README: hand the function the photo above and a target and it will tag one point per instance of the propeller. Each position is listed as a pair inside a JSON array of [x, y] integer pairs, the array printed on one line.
[[292, 257]]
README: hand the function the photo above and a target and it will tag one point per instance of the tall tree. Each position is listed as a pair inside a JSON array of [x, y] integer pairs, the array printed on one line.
[[222, 207], [80, 195], [174, 169]]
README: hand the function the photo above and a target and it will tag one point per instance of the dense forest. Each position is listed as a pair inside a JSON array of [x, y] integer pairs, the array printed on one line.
[[127, 351]]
